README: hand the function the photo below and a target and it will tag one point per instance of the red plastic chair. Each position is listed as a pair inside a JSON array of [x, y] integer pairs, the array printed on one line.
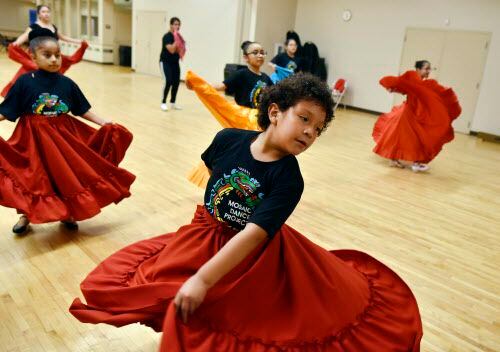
[[338, 91]]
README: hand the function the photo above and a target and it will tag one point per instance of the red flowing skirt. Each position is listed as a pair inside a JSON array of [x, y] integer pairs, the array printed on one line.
[[417, 129], [21, 56], [288, 295], [55, 168]]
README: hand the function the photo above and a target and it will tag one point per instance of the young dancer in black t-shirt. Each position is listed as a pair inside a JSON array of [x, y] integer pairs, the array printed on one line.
[[287, 59], [238, 278], [55, 167], [247, 83]]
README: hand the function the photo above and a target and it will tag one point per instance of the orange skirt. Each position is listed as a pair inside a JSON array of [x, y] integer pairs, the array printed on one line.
[[229, 115]]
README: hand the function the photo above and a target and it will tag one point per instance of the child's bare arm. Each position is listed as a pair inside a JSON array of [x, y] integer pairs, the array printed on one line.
[[192, 293], [172, 48], [219, 86], [92, 117], [23, 37], [65, 38]]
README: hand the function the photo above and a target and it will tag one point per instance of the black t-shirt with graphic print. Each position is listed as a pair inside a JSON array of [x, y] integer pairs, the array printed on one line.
[[283, 60], [247, 86], [242, 189], [43, 93]]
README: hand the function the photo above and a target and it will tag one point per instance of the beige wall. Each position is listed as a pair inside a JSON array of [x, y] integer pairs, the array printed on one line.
[[107, 25], [123, 30], [369, 46], [210, 29], [14, 15], [274, 19], [123, 26]]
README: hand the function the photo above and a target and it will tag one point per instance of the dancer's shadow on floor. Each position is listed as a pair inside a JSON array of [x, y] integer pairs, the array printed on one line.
[[45, 238]]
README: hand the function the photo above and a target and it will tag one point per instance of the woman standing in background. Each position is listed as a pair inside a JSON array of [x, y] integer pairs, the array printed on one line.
[[169, 64]]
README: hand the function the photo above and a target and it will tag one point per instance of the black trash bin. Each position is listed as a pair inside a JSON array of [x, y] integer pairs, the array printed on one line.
[[125, 55]]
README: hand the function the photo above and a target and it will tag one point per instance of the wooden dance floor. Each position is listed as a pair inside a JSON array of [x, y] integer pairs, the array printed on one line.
[[440, 231]]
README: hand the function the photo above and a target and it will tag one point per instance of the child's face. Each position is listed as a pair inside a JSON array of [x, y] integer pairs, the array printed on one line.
[[48, 56], [255, 55], [291, 47], [44, 14], [297, 128], [425, 71]]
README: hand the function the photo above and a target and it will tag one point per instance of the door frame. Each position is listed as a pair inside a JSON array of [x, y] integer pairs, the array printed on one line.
[[135, 19]]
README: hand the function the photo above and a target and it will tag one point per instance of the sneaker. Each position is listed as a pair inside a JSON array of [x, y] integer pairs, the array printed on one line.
[[174, 106], [417, 167], [164, 107]]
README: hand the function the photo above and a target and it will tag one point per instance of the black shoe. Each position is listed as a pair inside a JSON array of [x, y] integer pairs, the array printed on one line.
[[70, 225], [20, 229]]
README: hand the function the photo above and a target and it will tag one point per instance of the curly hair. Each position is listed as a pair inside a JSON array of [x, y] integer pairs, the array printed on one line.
[[292, 90]]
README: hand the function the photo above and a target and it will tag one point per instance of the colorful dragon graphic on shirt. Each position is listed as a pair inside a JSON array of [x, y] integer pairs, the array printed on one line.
[[49, 104], [255, 93], [239, 182], [291, 65]]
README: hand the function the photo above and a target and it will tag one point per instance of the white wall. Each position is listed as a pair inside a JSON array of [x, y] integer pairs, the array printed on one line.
[[274, 19], [369, 46], [210, 29], [107, 25], [122, 30], [14, 15]]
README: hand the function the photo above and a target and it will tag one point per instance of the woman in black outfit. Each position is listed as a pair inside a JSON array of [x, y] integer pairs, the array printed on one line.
[[44, 27], [169, 65]]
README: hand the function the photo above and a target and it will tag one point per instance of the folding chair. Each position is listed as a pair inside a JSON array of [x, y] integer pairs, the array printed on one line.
[[338, 91]]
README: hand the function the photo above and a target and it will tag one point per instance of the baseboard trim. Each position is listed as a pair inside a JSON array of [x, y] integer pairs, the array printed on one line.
[[355, 108], [488, 137]]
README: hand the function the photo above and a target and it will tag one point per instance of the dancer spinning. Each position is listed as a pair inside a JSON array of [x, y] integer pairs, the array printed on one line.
[[228, 114], [413, 133], [237, 278], [54, 167], [42, 28], [247, 85]]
